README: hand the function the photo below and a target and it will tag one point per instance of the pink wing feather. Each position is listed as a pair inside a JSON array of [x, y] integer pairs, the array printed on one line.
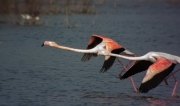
[[156, 73]]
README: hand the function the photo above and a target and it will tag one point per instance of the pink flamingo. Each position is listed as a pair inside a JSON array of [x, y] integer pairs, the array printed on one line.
[[160, 66], [97, 45]]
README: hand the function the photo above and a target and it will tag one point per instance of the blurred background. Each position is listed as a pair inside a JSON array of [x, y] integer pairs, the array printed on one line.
[[21, 12], [31, 12]]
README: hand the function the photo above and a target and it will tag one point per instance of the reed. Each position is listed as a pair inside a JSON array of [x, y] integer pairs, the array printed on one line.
[[29, 11], [36, 7], [20, 9]]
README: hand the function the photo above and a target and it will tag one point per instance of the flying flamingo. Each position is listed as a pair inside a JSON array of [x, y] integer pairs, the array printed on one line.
[[98, 45], [159, 66]]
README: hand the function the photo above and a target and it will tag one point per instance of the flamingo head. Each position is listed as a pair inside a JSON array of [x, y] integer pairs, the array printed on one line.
[[49, 43]]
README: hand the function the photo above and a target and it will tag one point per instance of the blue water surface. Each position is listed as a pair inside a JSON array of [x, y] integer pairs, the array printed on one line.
[[31, 75]]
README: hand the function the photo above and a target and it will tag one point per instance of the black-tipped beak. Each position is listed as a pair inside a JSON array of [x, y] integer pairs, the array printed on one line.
[[42, 44]]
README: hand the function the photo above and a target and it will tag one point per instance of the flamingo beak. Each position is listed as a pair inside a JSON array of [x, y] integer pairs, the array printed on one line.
[[42, 45], [46, 43]]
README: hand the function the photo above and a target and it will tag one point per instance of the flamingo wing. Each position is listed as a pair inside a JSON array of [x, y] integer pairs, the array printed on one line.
[[109, 62], [94, 41], [156, 73], [137, 67]]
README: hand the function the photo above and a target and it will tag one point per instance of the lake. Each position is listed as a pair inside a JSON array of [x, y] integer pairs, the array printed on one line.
[[31, 75]]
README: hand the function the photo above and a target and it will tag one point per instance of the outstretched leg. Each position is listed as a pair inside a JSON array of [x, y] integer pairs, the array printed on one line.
[[175, 85], [172, 74], [176, 82], [124, 68]]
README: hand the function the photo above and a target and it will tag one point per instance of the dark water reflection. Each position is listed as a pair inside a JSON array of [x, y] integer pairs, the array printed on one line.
[[124, 99], [33, 76]]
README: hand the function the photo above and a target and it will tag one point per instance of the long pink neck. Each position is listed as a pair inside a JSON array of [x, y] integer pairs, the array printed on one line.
[[76, 50], [127, 57]]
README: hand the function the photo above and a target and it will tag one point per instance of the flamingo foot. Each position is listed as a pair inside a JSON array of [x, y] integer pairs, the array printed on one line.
[[137, 90], [175, 95], [174, 90], [119, 77], [165, 81], [120, 74]]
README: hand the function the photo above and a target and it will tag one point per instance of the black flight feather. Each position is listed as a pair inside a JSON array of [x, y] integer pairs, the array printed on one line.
[[156, 80], [137, 67], [87, 56], [109, 62]]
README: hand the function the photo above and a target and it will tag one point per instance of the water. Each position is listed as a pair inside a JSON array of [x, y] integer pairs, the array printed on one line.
[[34, 76]]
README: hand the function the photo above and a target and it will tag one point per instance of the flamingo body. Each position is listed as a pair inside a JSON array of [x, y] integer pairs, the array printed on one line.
[[109, 45], [98, 44], [158, 65]]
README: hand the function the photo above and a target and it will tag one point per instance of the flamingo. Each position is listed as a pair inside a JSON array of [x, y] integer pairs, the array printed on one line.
[[159, 65], [98, 45]]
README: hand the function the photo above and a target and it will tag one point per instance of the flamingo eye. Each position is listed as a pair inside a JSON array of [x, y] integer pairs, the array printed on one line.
[[104, 47]]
